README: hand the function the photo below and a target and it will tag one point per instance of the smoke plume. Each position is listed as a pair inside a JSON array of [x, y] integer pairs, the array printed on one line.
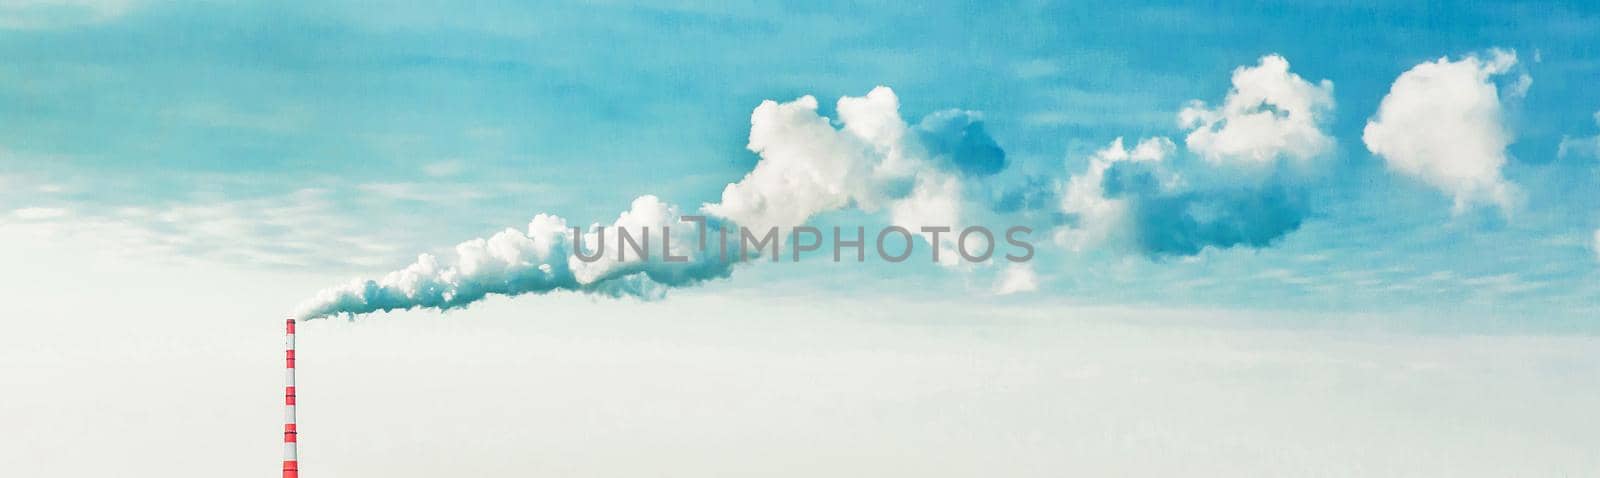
[[1241, 191], [874, 161]]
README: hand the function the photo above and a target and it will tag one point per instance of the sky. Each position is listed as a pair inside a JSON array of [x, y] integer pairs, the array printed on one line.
[[1308, 238]]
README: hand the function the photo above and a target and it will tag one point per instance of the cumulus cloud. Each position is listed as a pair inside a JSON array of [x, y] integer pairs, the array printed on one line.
[[808, 167], [1094, 215], [936, 200], [1155, 201], [1270, 113], [1138, 199], [1582, 146], [1443, 124], [874, 160]]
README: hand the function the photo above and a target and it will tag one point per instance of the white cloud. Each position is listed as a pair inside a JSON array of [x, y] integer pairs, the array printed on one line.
[[1519, 88], [443, 168], [1584, 146], [302, 228], [39, 213], [1157, 203], [51, 14], [1017, 278], [935, 201], [454, 194], [807, 166], [876, 160], [1597, 244], [1270, 113], [1099, 217], [1442, 123]]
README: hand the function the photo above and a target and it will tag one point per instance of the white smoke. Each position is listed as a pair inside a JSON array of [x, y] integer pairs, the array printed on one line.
[[540, 259], [874, 161]]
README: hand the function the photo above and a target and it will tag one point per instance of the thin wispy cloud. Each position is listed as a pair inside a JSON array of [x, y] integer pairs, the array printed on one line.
[[300, 229], [39, 213], [1581, 146], [56, 14]]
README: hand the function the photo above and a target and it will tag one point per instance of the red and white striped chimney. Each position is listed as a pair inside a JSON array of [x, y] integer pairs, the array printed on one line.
[[291, 462]]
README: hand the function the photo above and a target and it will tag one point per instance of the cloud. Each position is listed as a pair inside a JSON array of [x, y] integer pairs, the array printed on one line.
[[1443, 123], [537, 260], [39, 213], [301, 228], [442, 169], [1240, 193], [1094, 216], [52, 14], [935, 201], [1270, 113], [1017, 278], [1520, 87], [873, 161], [1583, 146], [1138, 199], [809, 167], [450, 193]]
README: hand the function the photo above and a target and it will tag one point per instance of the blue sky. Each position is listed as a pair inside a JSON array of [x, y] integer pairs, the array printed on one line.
[[405, 128], [1364, 280]]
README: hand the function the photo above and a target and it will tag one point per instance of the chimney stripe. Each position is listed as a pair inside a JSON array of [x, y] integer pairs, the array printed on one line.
[[291, 436]]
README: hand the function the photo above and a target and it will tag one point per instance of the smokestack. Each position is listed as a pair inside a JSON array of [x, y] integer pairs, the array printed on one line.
[[291, 462]]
